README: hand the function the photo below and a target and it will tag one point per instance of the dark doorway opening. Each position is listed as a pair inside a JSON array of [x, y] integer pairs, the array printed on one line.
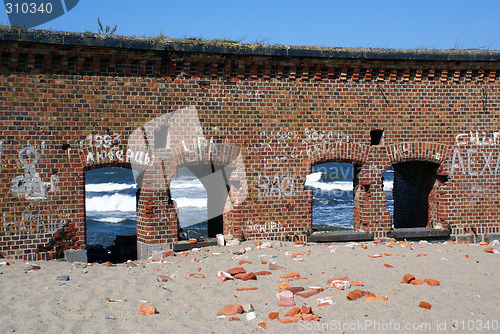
[[413, 181]]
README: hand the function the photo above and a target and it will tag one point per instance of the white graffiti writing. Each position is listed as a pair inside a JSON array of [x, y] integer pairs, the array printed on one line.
[[30, 185], [277, 184], [474, 162], [196, 150], [106, 148], [120, 155], [269, 227], [31, 224], [478, 138], [322, 142]]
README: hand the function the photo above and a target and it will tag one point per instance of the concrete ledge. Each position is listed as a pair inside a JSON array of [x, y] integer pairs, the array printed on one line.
[[76, 255], [185, 245], [419, 233], [491, 237], [144, 250], [470, 238], [214, 47], [340, 236]]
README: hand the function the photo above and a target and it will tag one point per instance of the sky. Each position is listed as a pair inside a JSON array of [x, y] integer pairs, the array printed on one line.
[[391, 24]]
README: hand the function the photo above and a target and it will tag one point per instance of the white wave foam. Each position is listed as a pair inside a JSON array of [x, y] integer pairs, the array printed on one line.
[[115, 202], [388, 185], [112, 220], [184, 184], [183, 202], [330, 186], [108, 187], [313, 177]]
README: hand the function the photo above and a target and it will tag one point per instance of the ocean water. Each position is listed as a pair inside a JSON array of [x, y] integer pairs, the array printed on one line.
[[332, 186], [111, 200]]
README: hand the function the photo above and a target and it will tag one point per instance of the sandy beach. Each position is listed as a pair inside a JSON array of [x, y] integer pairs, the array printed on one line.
[[188, 295]]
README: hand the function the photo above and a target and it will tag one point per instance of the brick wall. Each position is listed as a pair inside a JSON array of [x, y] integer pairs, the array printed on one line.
[[265, 115]]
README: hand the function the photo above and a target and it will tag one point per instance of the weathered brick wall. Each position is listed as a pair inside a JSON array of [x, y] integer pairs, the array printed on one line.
[[265, 115]]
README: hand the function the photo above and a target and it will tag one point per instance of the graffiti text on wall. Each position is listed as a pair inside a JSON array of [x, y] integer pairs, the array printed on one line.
[[478, 138], [30, 185], [473, 162], [200, 149], [30, 224], [278, 185], [322, 142], [268, 227], [106, 148]]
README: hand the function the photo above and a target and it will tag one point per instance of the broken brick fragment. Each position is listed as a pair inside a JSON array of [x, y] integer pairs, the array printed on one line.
[[146, 309], [431, 282], [223, 276], [325, 301], [374, 256], [292, 312], [357, 283], [367, 294], [417, 281], [262, 324], [289, 320], [369, 299], [491, 250], [244, 262], [231, 310], [295, 289], [292, 274], [273, 266], [237, 270], [274, 315], [262, 273], [286, 299], [407, 278], [247, 289], [245, 277], [308, 293], [162, 278], [306, 309], [388, 265], [234, 319], [426, 305], [354, 295]]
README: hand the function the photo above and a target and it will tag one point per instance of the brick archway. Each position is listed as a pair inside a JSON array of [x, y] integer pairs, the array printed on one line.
[[423, 154]]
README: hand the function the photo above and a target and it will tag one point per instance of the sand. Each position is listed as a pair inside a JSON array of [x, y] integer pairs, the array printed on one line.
[[466, 300]]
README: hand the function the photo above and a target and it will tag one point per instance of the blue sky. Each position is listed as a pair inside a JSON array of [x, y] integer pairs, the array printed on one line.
[[436, 24]]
